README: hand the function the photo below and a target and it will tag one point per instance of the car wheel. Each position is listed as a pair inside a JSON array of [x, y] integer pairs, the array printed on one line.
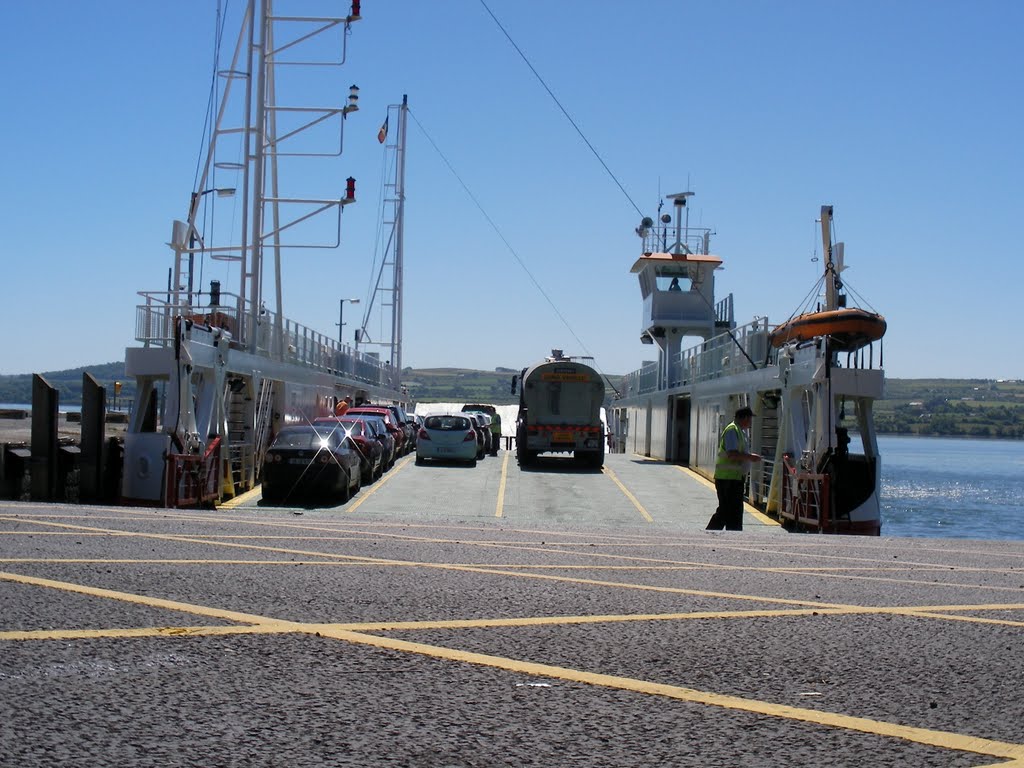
[[419, 461], [472, 462]]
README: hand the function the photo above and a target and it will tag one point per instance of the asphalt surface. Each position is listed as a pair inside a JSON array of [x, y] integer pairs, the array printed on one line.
[[455, 616]]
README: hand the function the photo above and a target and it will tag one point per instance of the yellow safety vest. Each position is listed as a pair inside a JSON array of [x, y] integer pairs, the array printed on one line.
[[726, 468]]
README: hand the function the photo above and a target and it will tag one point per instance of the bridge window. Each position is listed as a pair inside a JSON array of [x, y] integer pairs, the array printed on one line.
[[672, 283]]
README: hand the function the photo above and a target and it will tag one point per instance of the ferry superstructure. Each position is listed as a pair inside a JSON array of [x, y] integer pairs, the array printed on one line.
[[219, 372], [812, 391]]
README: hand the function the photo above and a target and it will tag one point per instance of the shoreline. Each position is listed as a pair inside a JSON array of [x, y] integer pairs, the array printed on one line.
[[19, 430]]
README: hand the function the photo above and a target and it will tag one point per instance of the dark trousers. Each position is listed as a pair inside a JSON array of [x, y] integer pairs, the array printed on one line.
[[729, 514]]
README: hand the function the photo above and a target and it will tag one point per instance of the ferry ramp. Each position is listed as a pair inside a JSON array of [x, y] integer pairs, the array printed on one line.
[[424, 623]]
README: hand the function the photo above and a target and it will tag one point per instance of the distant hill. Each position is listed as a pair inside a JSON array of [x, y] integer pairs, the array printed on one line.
[[17, 388], [952, 407], [443, 385], [967, 407]]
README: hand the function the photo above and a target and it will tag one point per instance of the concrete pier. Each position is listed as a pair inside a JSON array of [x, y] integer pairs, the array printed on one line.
[[486, 616]]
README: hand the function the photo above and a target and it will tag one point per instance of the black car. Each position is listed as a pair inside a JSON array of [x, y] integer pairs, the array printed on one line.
[[310, 462]]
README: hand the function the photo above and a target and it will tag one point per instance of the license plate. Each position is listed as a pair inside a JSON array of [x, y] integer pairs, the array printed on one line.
[[445, 450], [298, 461], [562, 437]]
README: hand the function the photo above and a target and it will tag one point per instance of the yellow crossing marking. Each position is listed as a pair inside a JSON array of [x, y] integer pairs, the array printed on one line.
[[134, 632], [352, 506], [501, 486], [929, 612], [640, 508], [942, 739], [153, 602]]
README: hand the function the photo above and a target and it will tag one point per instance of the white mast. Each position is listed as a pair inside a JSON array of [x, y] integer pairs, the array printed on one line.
[[393, 223], [396, 341]]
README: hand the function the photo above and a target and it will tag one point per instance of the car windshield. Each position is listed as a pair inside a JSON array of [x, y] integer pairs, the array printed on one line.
[[373, 423], [447, 423], [305, 437]]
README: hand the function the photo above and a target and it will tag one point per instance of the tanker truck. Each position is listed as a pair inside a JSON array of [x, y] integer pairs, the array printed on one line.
[[560, 403]]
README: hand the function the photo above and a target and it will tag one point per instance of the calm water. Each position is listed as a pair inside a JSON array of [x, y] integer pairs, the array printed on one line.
[[951, 487]]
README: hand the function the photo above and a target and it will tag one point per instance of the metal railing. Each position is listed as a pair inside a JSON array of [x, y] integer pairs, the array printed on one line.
[[717, 357], [286, 340]]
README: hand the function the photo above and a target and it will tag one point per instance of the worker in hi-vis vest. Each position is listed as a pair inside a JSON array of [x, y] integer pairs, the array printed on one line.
[[495, 433], [731, 471]]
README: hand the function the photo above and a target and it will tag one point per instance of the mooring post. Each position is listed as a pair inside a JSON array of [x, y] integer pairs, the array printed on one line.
[[45, 400], [94, 427]]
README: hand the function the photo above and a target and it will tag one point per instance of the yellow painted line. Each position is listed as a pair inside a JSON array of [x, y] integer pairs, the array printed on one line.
[[113, 634], [501, 486], [174, 561], [750, 509], [640, 507], [243, 499], [968, 619], [491, 570], [929, 737], [352, 506], [211, 542], [559, 621], [152, 602], [942, 739]]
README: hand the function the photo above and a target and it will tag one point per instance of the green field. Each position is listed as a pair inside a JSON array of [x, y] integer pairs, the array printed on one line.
[[967, 407]]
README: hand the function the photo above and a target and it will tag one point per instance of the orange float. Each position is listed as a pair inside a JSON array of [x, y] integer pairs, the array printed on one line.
[[849, 329]]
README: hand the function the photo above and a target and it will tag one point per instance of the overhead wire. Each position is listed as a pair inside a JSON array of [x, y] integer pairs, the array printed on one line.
[[564, 110], [498, 231]]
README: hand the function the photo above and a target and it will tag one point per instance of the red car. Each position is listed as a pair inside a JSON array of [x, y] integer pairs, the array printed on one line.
[[402, 445], [371, 453]]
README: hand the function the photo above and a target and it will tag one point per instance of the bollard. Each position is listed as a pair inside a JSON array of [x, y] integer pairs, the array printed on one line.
[[67, 473], [16, 458]]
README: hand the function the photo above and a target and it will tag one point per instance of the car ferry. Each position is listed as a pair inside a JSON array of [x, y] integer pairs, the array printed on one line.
[[810, 381], [220, 373]]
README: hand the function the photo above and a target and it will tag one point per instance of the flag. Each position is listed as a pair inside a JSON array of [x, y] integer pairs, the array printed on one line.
[[383, 132]]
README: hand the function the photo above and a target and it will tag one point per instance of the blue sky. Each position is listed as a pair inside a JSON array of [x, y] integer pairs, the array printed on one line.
[[906, 116]]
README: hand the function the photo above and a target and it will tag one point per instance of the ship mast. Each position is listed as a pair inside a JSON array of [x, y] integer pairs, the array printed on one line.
[[833, 262], [396, 309], [393, 260]]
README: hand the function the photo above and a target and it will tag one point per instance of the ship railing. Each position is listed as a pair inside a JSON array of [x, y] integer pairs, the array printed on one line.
[[719, 356], [672, 239], [641, 381], [743, 349], [295, 343], [723, 312]]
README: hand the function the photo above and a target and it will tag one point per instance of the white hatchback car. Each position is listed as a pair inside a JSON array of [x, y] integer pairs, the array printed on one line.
[[448, 437]]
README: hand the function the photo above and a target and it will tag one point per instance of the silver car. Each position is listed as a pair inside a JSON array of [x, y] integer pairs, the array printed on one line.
[[449, 437]]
